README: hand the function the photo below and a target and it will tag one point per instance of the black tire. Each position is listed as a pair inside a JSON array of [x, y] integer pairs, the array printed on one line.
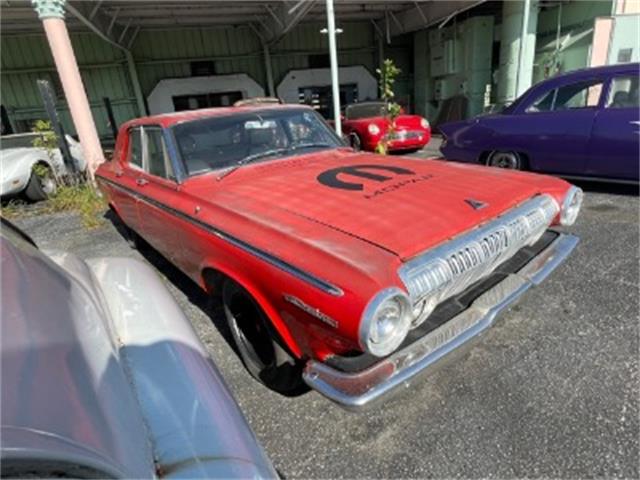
[[505, 159], [355, 142], [41, 187], [132, 238], [263, 354]]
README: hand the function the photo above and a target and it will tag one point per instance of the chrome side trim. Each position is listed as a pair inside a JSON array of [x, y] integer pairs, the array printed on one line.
[[256, 252], [357, 390], [314, 312]]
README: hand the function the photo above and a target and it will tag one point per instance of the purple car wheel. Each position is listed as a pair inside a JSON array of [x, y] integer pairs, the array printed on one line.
[[510, 160]]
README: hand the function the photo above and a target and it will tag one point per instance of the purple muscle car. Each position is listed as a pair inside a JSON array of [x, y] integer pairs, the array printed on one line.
[[583, 124]]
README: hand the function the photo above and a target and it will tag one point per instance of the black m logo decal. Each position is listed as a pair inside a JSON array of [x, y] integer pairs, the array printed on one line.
[[330, 177]]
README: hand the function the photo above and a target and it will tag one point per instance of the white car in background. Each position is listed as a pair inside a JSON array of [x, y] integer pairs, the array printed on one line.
[[18, 157]]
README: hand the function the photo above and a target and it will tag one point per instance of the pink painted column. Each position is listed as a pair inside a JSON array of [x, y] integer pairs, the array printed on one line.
[[51, 12], [602, 29]]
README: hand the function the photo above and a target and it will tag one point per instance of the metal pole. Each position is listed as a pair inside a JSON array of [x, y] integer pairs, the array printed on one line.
[[333, 55], [65, 60], [133, 74], [523, 41], [268, 69], [52, 113], [111, 117]]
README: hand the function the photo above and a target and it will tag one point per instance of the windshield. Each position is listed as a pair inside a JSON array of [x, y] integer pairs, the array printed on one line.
[[220, 142], [364, 110]]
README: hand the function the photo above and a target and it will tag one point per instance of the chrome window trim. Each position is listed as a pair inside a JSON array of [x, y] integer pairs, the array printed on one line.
[[470, 244], [256, 252]]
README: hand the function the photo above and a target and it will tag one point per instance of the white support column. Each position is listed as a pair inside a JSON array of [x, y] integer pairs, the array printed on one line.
[[521, 83], [517, 48], [333, 55], [51, 12]]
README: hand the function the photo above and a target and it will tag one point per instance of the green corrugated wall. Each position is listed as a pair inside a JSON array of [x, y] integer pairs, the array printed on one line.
[[27, 58], [167, 53]]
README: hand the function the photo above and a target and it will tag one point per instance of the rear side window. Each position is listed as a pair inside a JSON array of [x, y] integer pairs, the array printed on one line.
[[158, 163], [582, 94], [135, 147], [624, 93]]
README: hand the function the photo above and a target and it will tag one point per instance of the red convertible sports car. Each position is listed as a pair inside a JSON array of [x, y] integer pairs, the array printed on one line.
[[365, 126], [351, 271]]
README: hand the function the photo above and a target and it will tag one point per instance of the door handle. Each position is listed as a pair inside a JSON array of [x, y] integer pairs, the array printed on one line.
[[141, 182]]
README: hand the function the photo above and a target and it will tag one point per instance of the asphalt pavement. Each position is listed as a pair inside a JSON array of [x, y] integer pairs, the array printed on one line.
[[550, 391]]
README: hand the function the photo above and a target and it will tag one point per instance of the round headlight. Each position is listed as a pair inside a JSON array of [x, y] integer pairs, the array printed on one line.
[[385, 322], [373, 129], [424, 123], [571, 206]]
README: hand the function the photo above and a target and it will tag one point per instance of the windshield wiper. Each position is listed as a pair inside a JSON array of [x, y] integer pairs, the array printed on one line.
[[249, 159], [301, 146]]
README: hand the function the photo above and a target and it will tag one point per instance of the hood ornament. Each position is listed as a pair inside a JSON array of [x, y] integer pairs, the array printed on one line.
[[475, 204]]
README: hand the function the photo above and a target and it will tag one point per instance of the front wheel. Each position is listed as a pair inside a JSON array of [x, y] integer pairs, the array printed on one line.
[[262, 353], [505, 159], [42, 184]]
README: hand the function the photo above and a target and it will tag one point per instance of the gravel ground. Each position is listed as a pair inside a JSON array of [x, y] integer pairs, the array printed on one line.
[[550, 391]]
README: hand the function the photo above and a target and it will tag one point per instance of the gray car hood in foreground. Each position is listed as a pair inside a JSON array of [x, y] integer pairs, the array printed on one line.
[[103, 376]]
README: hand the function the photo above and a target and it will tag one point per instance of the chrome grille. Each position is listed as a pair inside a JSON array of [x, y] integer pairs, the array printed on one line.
[[406, 134], [450, 268]]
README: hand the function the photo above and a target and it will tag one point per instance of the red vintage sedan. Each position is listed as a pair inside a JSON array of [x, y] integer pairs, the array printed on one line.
[[365, 126], [350, 271]]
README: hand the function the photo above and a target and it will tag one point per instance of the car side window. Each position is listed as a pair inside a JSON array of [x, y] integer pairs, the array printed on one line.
[[135, 147], [623, 93], [543, 103], [582, 94], [157, 158]]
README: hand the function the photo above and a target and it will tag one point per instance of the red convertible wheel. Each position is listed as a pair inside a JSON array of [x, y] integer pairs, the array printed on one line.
[[261, 352], [510, 160]]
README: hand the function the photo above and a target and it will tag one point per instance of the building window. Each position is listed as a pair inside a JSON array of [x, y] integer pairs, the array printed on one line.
[[624, 55], [319, 61], [320, 99], [205, 100], [203, 68]]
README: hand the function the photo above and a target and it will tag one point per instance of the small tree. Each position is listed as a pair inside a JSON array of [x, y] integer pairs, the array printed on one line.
[[46, 138], [47, 141], [387, 77]]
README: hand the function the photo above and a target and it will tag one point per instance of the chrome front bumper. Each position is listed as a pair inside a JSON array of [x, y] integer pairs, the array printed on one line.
[[359, 389]]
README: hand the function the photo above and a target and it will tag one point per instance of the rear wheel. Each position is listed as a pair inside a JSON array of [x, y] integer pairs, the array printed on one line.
[[42, 184], [260, 349], [505, 159], [132, 238]]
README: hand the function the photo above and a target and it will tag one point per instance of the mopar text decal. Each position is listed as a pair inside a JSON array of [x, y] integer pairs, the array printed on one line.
[[376, 173], [397, 186]]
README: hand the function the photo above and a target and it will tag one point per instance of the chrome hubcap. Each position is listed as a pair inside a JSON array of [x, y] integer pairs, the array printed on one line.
[[504, 160], [48, 185]]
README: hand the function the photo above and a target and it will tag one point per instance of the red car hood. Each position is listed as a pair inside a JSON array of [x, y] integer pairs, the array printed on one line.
[[402, 205]]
